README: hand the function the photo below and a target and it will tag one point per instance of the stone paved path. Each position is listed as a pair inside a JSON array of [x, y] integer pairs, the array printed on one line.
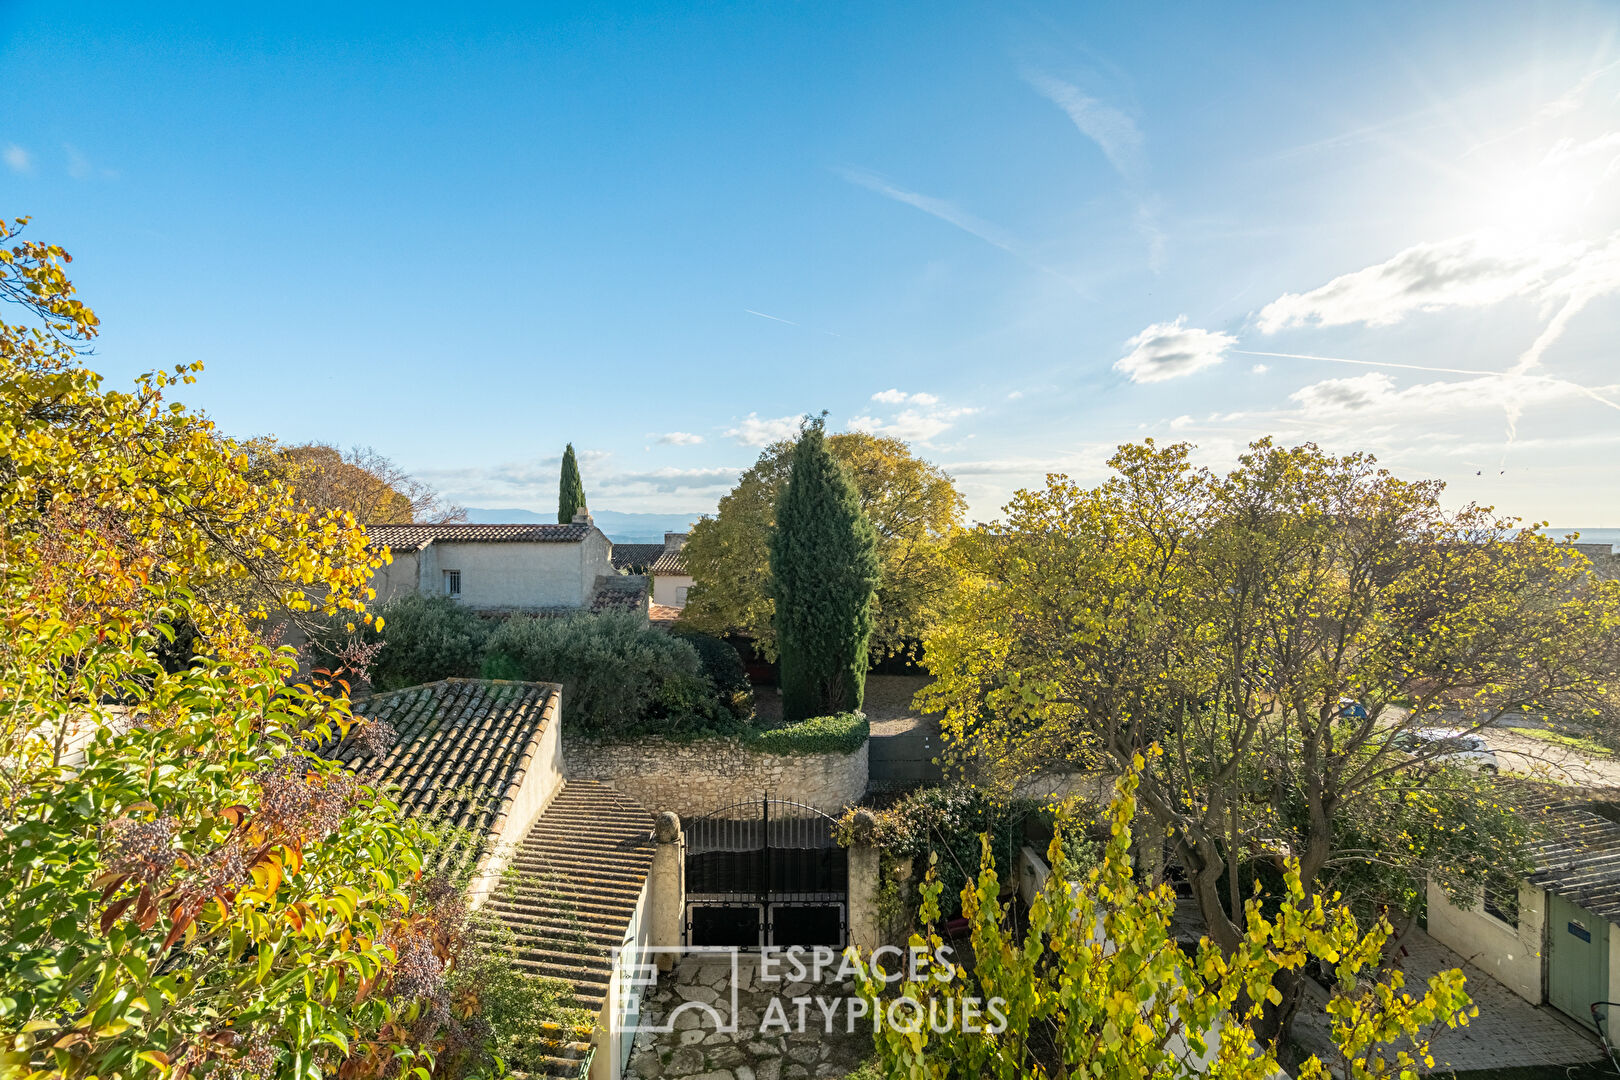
[[757, 1050], [1509, 1032]]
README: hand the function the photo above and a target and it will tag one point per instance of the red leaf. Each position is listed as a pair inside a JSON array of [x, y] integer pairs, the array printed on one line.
[[175, 931], [146, 909], [111, 915], [114, 883]]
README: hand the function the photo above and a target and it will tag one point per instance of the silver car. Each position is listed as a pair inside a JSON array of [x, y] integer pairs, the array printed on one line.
[[1448, 746]]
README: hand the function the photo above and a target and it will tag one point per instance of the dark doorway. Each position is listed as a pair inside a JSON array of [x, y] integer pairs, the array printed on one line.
[[807, 925], [725, 926]]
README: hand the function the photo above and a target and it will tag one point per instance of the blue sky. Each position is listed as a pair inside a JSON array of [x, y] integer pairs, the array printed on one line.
[[1016, 235]]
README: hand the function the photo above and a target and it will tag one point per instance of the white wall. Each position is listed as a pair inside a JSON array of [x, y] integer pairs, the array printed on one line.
[[665, 588], [1512, 957], [502, 575], [397, 578], [611, 1055]]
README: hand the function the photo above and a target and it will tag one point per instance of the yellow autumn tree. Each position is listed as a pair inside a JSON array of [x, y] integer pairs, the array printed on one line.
[[191, 888], [1098, 986], [1277, 629]]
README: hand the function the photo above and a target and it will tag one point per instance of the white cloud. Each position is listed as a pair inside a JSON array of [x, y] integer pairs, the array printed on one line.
[[1015, 395], [943, 209], [1171, 350], [669, 480], [533, 483], [900, 397], [680, 438], [1259, 369], [1375, 399], [18, 160], [911, 425], [754, 431], [1182, 421], [1114, 132], [1464, 272]]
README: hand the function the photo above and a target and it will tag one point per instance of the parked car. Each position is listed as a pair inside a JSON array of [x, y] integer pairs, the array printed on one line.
[[1448, 746]]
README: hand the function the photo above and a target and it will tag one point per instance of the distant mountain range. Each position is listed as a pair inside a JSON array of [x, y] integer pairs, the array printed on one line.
[[620, 528], [1588, 536]]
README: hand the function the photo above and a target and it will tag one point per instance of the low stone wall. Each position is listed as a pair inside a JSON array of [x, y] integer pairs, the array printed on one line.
[[693, 778]]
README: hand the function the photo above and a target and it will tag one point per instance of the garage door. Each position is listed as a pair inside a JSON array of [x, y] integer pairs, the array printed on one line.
[[1577, 958]]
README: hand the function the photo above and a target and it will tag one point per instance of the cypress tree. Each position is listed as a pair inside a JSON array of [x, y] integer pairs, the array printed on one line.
[[571, 491], [824, 572]]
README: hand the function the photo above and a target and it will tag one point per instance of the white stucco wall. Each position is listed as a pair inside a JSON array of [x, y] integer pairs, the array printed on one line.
[[666, 589], [397, 578], [1512, 957], [624, 984], [502, 575]]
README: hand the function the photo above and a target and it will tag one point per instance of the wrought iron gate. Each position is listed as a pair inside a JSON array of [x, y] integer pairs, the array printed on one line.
[[765, 872]]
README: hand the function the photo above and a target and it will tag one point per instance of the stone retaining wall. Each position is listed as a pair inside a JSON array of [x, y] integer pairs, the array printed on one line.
[[693, 778]]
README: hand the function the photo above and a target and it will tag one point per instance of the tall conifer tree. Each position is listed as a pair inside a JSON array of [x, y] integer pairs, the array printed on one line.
[[570, 491], [824, 571]]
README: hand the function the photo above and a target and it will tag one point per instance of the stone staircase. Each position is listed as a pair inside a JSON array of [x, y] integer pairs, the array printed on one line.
[[579, 874]]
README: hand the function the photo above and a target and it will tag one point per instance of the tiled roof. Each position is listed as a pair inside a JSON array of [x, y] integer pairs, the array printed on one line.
[[579, 874], [635, 557], [417, 537], [1578, 857], [619, 592], [670, 562], [461, 748], [663, 613]]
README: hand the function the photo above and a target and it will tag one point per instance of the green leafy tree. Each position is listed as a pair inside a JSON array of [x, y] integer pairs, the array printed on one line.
[[426, 638], [1228, 618], [1099, 986], [193, 888], [570, 489], [824, 572], [912, 504], [618, 674]]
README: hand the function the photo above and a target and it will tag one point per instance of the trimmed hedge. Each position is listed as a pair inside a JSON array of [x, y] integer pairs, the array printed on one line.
[[840, 734]]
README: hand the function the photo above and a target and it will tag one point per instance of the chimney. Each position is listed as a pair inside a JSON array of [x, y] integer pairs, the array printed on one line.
[[674, 541], [582, 516]]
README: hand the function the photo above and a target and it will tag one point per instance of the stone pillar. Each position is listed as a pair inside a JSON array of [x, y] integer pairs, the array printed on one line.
[[865, 926], [666, 884]]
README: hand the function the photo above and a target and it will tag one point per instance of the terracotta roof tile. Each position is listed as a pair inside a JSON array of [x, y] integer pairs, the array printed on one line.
[[417, 537], [462, 746], [619, 592], [670, 562], [635, 558]]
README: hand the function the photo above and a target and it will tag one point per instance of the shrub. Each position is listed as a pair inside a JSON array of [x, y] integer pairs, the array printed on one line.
[[427, 638], [725, 671], [947, 822], [616, 671], [841, 734]]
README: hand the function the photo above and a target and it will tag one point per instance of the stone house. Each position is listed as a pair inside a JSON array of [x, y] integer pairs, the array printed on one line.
[[670, 579], [1550, 937], [532, 568]]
